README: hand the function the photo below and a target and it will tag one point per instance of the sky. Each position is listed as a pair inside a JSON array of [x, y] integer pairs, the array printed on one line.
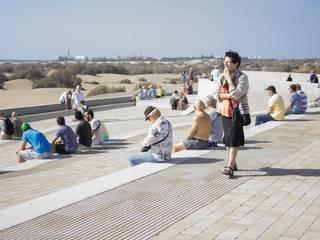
[[46, 29]]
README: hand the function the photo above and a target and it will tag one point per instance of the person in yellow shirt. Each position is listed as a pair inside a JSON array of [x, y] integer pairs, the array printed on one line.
[[276, 108]]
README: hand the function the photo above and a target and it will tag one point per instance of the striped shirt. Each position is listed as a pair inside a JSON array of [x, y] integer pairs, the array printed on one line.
[[304, 101]]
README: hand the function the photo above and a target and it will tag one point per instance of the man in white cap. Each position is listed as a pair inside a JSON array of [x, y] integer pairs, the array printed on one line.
[[157, 146]]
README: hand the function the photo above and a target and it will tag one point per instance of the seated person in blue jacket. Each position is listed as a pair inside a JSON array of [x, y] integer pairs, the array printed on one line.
[[295, 105]]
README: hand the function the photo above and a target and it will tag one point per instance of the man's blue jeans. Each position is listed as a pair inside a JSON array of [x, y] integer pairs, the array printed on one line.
[[139, 158], [263, 118]]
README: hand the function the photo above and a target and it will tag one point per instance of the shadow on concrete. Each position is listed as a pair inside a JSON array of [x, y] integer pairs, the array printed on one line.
[[269, 171], [298, 120], [251, 141], [196, 160], [304, 172]]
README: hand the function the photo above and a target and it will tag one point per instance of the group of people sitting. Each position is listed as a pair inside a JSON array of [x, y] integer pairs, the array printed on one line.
[[10, 126], [178, 102], [206, 131], [89, 131], [150, 92], [73, 99], [276, 108]]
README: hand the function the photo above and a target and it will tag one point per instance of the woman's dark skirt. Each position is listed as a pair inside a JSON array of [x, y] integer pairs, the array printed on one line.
[[233, 135]]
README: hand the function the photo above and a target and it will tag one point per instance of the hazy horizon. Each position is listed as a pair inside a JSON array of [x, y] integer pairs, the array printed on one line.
[[44, 30]]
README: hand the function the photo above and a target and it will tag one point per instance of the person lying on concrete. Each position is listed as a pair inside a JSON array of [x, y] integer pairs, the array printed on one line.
[[198, 135], [6, 127], [303, 96], [17, 122], [100, 134], [295, 101], [276, 108], [65, 141], [83, 130], [39, 148], [216, 133], [157, 146]]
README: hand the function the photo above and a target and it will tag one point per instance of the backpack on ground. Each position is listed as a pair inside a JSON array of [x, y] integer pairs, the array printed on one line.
[[8, 127]]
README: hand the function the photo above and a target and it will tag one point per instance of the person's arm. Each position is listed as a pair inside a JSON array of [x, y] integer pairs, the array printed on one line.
[[290, 105], [23, 147], [152, 137], [54, 140], [194, 128], [269, 110], [241, 89]]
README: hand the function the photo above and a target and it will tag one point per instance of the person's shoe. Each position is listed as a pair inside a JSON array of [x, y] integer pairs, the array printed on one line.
[[228, 171]]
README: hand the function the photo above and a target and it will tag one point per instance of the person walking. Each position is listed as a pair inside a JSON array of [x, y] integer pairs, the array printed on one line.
[[232, 92]]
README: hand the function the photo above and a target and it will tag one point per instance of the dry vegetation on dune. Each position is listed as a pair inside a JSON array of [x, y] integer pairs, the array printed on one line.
[[66, 75]]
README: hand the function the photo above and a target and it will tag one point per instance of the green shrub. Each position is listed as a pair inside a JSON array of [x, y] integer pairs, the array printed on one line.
[[142, 79], [174, 80], [60, 79], [144, 84], [92, 82], [126, 81], [3, 78], [103, 89]]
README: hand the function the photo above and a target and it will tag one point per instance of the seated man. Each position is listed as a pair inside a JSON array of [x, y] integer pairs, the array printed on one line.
[[157, 146], [83, 130], [216, 132], [276, 107], [99, 131], [174, 99], [198, 135], [295, 101], [40, 147], [17, 122], [68, 143], [6, 128], [303, 96]]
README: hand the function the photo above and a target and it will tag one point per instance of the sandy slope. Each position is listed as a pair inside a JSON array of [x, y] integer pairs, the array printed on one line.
[[20, 93]]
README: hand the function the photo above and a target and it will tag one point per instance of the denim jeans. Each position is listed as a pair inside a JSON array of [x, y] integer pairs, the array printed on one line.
[[139, 158], [263, 118]]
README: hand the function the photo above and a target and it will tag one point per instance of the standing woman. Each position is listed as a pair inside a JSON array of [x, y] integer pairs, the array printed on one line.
[[232, 92]]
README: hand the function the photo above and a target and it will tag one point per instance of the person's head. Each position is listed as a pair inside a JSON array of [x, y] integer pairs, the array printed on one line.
[[14, 115], [25, 126], [2, 115], [182, 95], [78, 115], [298, 86], [271, 90], [292, 88], [152, 114], [232, 60], [211, 102], [61, 121], [82, 102], [175, 92], [89, 115], [78, 89], [199, 106]]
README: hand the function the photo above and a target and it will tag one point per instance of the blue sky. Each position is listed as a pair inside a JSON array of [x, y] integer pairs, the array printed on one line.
[[43, 29]]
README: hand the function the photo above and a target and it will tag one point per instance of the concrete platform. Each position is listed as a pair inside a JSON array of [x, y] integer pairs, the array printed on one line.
[[95, 196]]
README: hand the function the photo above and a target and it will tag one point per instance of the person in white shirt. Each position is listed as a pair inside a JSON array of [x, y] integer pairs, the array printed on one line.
[[215, 74], [77, 97], [100, 134]]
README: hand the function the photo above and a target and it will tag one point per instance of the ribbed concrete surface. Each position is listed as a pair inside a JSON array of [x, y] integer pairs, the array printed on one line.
[[143, 208]]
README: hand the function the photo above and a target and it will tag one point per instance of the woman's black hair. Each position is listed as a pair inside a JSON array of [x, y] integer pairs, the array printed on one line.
[[235, 57]]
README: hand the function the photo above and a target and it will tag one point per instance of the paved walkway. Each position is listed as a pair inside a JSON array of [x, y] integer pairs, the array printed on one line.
[[275, 195]]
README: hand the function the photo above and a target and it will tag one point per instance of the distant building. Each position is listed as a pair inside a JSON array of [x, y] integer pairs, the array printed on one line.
[[81, 58]]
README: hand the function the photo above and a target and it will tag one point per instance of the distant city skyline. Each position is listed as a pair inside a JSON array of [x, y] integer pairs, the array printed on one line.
[[42, 29]]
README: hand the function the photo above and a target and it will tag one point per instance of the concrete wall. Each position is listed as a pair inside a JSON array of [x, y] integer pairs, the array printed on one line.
[[60, 107]]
